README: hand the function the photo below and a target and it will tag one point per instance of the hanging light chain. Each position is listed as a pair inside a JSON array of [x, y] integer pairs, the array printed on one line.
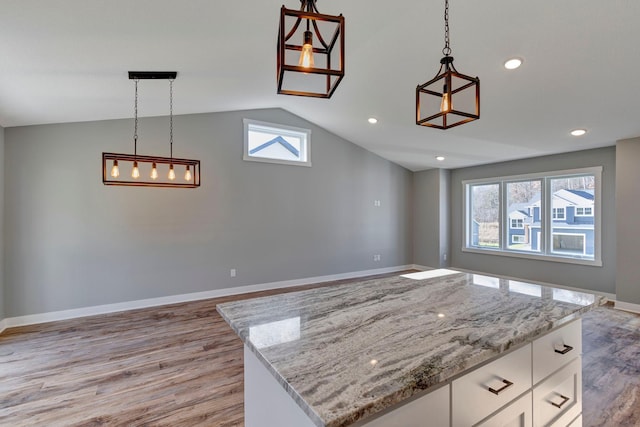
[[171, 117], [446, 51], [135, 122]]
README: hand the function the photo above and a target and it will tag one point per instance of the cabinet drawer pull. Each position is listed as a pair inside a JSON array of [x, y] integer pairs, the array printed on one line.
[[567, 349], [506, 385], [565, 399]]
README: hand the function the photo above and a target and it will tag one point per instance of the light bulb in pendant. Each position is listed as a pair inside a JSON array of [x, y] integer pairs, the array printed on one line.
[[187, 174], [154, 171], [115, 170], [445, 104], [172, 174], [135, 172], [306, 56]]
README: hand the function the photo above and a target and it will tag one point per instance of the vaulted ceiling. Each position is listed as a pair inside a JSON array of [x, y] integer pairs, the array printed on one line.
[[67, 61]]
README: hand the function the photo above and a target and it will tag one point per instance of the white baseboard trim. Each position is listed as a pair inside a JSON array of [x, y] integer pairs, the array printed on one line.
[[627, 306], [33, 319], [422, 267]]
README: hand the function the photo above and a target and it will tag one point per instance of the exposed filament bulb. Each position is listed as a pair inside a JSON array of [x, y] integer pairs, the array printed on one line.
[[135, 172], [115, 170], [306, 56]]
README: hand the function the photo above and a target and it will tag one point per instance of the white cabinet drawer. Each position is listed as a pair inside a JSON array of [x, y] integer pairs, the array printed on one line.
[[508, 377], [556, 349], [558, 399], [517, 414], [430, 410]]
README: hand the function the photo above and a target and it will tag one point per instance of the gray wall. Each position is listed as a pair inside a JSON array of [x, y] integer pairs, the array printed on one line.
[[628, 231], [2, 180], [431, 217], [72, 242], [579, 276]]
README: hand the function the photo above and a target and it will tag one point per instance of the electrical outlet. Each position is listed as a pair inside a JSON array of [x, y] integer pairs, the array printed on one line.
[[376, 257], [444, 257], [233, 272], [377, 203]]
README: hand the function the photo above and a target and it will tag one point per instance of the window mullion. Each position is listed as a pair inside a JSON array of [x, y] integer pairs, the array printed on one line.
[[503, 217], [546, 216]]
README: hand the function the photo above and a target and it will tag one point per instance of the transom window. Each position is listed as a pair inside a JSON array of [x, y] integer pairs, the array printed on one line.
[[273, 143], [552, 216]]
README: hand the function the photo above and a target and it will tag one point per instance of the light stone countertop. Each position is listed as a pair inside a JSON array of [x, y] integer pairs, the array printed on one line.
[[347, 351]]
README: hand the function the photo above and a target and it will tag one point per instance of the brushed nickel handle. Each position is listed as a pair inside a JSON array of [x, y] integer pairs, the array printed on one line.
[[567, 349], [506, 385], [565, 399]]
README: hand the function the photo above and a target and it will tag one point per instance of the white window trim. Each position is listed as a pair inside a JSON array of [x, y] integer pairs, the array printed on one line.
[[546, 223], [285, 128], [555, 211], [583, 214], [513, 237], [517, 227]]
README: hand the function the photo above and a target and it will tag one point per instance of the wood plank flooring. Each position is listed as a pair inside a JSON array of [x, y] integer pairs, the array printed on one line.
[[181, 365]]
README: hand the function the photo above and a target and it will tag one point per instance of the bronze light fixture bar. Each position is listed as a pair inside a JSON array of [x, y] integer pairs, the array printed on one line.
[[150, 171], [451, 98], [124, 163], [309, 63]]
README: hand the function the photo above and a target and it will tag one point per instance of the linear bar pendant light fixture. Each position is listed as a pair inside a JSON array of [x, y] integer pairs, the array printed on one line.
[[150, 171], [310, 57], [450, 98]]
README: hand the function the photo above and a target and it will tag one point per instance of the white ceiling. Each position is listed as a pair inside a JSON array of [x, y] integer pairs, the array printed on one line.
[[67, 60]]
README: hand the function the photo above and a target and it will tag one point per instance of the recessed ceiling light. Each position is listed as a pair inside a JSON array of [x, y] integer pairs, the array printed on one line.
[[373, 120], [578, 132], [439, 158], [513, 63]]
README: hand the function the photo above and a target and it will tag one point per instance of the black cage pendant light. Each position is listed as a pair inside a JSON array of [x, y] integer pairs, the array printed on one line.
[[450, 98], [310, 51], [150, 171]]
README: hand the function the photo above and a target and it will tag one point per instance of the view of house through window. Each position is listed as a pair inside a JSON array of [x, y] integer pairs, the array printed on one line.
[[523, 207], [574, 234], [549, 215]]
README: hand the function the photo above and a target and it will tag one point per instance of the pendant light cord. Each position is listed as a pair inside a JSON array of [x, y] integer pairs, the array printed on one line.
[[171, 117], [446, 51], [135, 123]]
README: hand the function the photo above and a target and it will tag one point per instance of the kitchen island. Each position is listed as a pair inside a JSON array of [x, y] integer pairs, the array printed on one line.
[[434, 348]]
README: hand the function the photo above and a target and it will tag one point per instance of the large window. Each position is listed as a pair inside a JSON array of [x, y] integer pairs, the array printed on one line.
[[553, 216]]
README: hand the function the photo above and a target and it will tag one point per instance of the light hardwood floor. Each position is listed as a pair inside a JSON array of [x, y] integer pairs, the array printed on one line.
[[181, 365]]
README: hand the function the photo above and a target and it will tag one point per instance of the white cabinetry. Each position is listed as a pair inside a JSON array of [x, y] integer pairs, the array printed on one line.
[[487, 389], [557, 401], [556, 349], [537, 385], [516, 414], [425, 411]]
